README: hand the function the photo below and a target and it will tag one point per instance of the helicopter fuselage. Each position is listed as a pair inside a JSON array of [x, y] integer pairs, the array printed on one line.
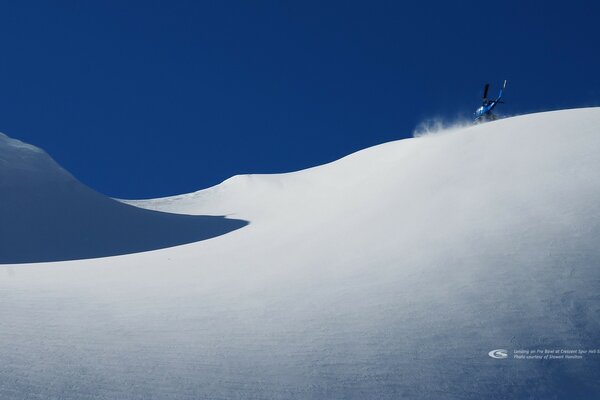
[[485, 110]]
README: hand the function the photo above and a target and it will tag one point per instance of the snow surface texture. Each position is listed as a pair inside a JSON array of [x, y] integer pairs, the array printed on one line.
[[46, 215], [388, 274]]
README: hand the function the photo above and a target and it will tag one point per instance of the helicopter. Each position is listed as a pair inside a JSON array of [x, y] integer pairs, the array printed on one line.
[[484, 113]]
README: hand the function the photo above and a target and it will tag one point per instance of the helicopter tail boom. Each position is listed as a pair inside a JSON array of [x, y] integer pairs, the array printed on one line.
[[501, 91]]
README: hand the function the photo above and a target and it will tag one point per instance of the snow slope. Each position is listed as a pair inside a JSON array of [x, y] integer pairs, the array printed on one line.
[[388, 274], [47, 215]]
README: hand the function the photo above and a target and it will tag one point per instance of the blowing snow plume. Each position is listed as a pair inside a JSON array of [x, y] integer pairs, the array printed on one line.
[[434, 126], [47, 215]]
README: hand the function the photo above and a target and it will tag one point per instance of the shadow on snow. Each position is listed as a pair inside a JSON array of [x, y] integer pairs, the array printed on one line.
[[42, 221]]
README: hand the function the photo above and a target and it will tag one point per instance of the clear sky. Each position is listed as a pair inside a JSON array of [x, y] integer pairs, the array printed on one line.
[[152, 98]]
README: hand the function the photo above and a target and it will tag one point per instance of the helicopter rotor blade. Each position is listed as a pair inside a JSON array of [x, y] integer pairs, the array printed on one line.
[[485, 90]]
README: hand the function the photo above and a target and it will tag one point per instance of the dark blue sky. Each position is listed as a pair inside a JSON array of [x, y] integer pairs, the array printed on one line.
[[152, 98]]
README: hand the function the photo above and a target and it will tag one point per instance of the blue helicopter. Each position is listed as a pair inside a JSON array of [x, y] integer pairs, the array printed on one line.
[[484, 113]]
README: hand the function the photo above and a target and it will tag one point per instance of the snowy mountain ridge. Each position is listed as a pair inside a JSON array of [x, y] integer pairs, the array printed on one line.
[[390, 273]]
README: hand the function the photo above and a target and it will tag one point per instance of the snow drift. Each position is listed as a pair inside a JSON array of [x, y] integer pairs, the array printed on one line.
[[390, 273], [47, 215]]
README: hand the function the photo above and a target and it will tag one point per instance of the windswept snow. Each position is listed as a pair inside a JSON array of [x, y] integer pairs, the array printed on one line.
[[46, 215], [388, 274]]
